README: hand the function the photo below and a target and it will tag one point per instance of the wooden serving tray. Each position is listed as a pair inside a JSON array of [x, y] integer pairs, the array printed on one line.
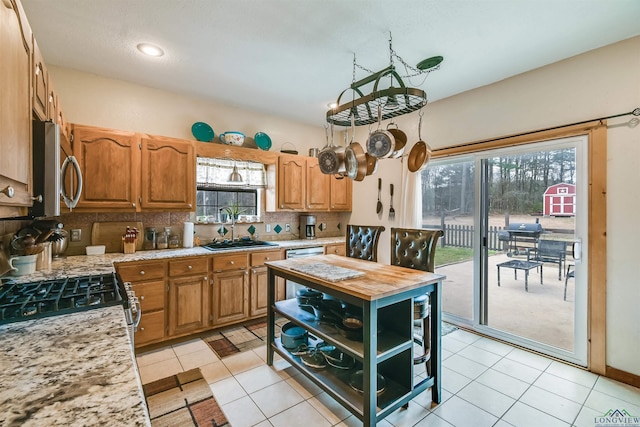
[[110, 234]]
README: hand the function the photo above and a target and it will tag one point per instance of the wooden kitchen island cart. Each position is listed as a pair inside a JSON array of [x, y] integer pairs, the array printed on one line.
[[383, 294]]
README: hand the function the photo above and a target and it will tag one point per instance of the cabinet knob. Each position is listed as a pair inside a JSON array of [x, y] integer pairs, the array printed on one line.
[[231, 262], [37, 69], [142, 272], [142, 329], [133, 205], [205, 278], [141, 297], [190, 267], [282, 206], [268, 258], [246, 273], [37, 198], [8, 191]]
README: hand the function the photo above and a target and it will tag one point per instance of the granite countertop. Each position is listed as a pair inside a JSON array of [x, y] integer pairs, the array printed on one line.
[[79, 369], [70, 370], [83, 265]]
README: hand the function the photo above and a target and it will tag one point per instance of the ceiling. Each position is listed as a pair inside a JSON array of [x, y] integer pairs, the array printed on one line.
[[291, 58]]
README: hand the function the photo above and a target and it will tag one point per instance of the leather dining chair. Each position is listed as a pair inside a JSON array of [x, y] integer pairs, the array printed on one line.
[[362, 241], [416, 248]]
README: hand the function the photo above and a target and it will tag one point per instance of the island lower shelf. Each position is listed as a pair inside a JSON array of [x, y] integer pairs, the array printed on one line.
[[336, 383], [390, 343]]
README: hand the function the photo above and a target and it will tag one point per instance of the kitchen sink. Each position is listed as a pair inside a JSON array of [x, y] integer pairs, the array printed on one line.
[[228, 244]]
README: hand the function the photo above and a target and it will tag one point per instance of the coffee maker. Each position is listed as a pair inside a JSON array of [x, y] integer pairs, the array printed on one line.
[[308, 223]]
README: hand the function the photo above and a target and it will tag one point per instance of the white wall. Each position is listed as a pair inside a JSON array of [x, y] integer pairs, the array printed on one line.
[[98, 101], [602, 82]]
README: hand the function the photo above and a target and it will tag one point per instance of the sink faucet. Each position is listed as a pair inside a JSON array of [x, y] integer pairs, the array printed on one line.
[[233, 221]]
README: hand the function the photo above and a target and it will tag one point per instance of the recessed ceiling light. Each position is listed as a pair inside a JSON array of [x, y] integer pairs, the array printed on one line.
[[150, 49]]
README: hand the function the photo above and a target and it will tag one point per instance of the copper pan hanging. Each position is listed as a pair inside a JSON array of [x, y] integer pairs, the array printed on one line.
[[420, 153], [355, 159]]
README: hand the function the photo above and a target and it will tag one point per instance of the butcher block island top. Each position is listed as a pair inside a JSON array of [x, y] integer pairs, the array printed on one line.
[[376, 281]]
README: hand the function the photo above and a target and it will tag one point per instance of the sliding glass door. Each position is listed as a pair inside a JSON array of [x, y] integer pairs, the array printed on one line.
[[513, 220]]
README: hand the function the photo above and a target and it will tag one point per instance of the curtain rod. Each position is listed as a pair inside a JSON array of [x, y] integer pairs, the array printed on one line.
[[635, 112]]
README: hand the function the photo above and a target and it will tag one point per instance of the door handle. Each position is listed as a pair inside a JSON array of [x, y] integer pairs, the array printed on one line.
[[576, 250]]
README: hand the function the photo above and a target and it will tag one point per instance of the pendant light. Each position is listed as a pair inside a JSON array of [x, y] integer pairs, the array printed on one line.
[[235, 175]]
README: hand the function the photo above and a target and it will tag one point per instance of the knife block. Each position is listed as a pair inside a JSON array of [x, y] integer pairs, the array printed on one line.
[[129, 247]]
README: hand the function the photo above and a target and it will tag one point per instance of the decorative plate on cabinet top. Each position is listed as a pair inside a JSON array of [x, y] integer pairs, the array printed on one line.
[[262, 141], [202, 132]]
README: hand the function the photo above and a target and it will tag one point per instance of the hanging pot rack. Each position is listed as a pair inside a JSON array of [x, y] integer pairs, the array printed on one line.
[[396, 100]]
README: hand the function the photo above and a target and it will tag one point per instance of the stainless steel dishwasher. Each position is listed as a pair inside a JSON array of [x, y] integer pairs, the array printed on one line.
[[292, 287]]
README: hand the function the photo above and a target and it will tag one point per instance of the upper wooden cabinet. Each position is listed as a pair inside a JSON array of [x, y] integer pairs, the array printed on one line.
[[110, 165], [318, 187], [341, 194], [292, 172], [303, 187], [167, 174], [15, 110], [125, 171], [40, 84]]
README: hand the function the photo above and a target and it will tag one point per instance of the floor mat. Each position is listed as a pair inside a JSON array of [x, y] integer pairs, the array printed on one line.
[[184, 399], [235, 339]]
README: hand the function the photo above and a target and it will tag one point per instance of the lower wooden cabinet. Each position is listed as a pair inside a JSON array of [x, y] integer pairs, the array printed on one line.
[[230, 296], [258, 282], [188, 295], [148, 281], [187, 304], [150, 329]]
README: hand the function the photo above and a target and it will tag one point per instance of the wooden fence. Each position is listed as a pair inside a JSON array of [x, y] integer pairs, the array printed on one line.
[[461, 236]]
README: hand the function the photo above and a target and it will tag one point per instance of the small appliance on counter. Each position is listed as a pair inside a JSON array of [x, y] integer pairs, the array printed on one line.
[[308, 222]]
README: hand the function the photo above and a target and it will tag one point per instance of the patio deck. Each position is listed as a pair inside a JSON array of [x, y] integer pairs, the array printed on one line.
[[540, 314]]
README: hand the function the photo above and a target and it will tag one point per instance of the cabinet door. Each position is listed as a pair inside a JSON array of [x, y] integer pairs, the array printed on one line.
[[168, 174], [230, 297], [15, 110], [291, 182], [341, 194], [258, 306], [40, 85], [151, 328], [187, 304], [318, 187], [109, 160], [151, 295], [258, 289]]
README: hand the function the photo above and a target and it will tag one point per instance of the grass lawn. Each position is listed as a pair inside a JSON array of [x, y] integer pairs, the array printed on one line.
[[452, 255]]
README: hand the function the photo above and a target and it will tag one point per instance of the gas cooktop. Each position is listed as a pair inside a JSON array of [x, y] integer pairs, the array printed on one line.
[[25, 301]]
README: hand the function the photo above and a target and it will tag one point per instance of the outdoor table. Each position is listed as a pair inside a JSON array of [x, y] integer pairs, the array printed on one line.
[[520, 265]]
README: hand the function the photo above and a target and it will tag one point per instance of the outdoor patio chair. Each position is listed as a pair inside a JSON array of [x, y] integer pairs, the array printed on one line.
[[362, 241], [553, 251], [571, 274], [416, 248]]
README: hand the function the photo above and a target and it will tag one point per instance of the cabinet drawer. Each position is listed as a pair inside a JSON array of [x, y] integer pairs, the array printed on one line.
[[188, 266], [259, 258], [139, 272], [337, 249], [151, 327], [151, 295], [229, 262]]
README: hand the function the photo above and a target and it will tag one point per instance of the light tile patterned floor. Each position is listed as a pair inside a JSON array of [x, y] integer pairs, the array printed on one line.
[[485, 383]]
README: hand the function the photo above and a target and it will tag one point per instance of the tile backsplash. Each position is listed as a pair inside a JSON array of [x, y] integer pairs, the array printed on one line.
[[334, 224]]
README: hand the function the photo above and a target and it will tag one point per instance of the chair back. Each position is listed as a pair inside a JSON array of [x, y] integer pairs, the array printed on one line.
[[362, 241], [414, 248], [552, 248]]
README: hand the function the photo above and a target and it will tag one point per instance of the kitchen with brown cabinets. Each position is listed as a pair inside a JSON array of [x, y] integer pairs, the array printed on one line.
[[129, 179]]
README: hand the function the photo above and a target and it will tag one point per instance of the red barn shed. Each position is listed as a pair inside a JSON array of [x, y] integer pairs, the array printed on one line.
[[560, 200]]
